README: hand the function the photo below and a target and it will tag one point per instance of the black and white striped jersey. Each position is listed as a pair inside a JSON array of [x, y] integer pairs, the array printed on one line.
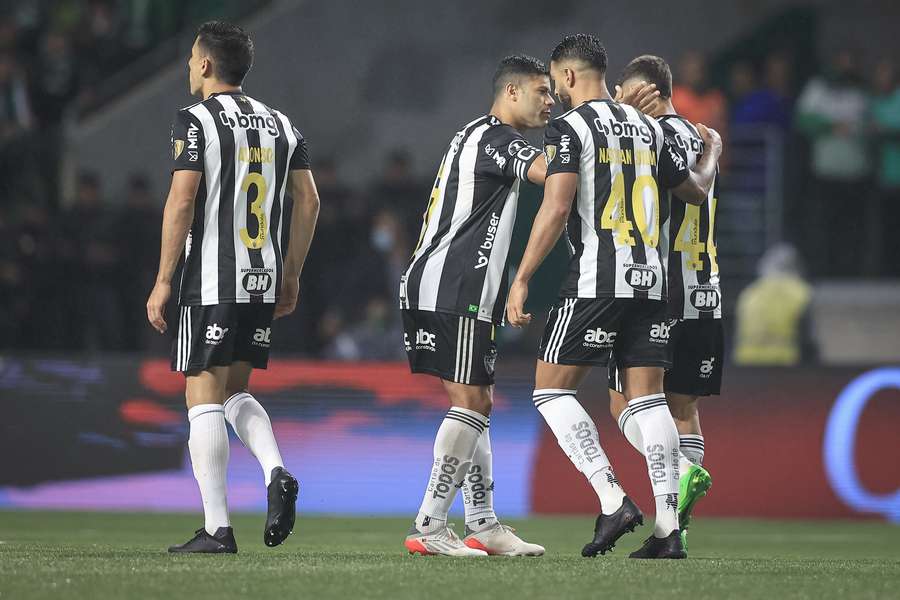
[[694, 291], [617, 231], [459, 265], [244, 150]]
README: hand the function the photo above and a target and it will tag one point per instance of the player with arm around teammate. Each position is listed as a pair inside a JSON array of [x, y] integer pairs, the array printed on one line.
[[234, 159], [606, 164], [452, 297]]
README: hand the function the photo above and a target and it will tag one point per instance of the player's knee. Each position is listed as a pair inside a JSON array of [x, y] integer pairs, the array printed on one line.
[[683, 408]]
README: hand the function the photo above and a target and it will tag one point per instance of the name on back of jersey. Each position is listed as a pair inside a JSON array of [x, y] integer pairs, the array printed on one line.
[[255, 121]]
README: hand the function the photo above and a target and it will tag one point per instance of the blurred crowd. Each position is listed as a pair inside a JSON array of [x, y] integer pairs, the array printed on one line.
[[74, 275]]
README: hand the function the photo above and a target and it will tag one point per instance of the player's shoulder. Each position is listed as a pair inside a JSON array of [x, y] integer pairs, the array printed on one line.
[[676, 124]]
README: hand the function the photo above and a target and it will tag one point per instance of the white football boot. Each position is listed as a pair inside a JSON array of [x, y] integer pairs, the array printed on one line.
[[443, 542], [500, 540]]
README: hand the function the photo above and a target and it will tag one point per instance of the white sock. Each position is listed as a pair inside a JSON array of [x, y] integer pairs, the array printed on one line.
[[208, 445], [660, 442], [252, 425], [692, 446], [577, 436], [478, 486], [632, 433], [454, 447]]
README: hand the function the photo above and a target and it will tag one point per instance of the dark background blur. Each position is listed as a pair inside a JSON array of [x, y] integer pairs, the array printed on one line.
[[805, 95]]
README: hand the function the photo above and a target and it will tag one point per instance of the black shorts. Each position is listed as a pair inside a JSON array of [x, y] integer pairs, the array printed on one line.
[[697, 349], [454, 348], [586, 331], [220, 334]]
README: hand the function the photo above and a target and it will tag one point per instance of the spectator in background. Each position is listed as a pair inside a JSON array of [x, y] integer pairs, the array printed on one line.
[[832, 113], [773, 314], [16, 157], [696, 99], [885, 123], [758, 105], [377, 337], [399, 189]]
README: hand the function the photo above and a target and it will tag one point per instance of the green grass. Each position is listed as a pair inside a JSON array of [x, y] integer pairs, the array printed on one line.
[[122, 556]]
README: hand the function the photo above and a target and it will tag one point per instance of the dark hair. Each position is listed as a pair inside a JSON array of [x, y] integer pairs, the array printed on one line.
[[514, 66], [583, 47], [231, 50], [651, 69]]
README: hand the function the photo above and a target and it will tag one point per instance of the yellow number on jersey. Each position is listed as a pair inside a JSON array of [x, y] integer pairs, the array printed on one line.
[[688, 238], [615, 218], [257, 209]]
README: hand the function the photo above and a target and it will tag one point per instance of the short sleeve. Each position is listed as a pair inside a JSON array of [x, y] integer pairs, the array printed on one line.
[[562, 147], [300, 157], [673, 164], [187, 142], [506, 153]]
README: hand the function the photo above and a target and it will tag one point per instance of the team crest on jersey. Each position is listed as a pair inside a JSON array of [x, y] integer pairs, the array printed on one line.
[[177, 148], [550, 152]]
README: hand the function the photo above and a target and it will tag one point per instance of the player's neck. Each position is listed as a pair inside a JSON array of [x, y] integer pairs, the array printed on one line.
[[218, 88], [590, 90], [665, 108], [505, 115]]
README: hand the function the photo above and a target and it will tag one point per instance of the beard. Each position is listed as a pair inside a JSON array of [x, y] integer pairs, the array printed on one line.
[[566, 101]]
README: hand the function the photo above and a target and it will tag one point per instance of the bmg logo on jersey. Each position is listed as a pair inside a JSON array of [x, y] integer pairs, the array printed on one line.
[[707, 366], [254, 121], [597, 338], [258, 281], [632, 130], [215, 334], [705, 299], [659, 333], [640, 277]]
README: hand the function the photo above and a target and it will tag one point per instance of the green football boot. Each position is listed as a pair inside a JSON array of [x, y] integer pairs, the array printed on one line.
[[692, 486]]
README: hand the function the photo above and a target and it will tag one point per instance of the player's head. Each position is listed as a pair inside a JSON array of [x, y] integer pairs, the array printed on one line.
[[650, 69], [222, 52], [522, 88], [577, 58]]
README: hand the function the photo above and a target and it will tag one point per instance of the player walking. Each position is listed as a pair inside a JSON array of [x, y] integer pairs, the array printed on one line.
[[234, 159], [608, 160], [453, 294], [696, 344]]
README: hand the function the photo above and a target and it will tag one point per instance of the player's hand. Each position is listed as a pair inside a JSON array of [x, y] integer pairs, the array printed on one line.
[[156, 305], [711, 139], [287, 301], [515, 305], [642, 97]]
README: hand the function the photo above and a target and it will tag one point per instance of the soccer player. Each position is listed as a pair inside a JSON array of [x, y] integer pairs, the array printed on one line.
[[234, 160], [608, 161], [695, 335], [453, 294]]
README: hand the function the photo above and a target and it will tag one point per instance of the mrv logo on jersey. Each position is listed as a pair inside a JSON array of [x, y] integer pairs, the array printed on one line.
[[258, 282], [640, 277], [254, 121]]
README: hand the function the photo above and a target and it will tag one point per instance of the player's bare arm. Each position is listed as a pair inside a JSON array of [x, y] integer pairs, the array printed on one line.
[[303, 226], [548, 226], [537, 172], [695, 189], [177, 217]]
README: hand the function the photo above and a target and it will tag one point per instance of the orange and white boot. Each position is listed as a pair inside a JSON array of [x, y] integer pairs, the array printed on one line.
[[501, 540], [443, 541]]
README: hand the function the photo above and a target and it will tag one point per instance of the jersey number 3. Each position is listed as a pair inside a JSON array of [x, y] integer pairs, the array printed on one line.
[[256, 209]]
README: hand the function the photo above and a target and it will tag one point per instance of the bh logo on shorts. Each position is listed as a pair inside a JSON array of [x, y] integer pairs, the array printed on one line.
[[214, 334], [659, 333], [707, 366], [262, 337], [598, 338]]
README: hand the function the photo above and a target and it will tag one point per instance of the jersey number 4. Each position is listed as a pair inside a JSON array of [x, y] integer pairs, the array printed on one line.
[[615, 218], [257, 209], [688, 239]]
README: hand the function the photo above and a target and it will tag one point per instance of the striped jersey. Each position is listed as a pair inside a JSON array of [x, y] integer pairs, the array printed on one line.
[[617, 231], [694, 291], [459, 265], [244, 149]]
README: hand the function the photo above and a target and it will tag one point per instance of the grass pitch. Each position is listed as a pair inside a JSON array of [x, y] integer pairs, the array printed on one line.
[[103, 555]]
